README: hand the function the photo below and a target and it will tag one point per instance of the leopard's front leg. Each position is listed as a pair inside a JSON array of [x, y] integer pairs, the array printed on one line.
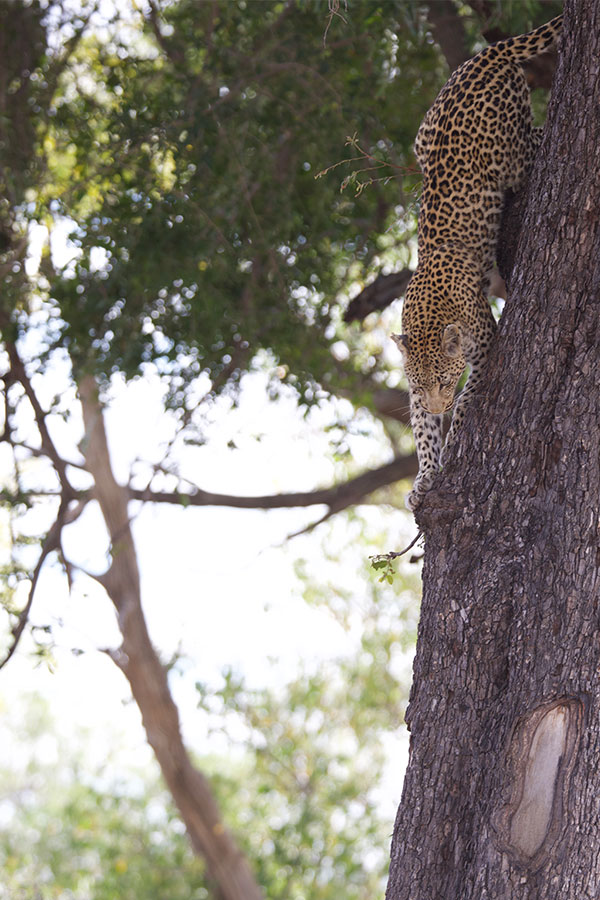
[[459, 409], [476, 353], [427, 432]]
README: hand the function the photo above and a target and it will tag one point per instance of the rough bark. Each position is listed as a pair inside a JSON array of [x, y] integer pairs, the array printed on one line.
[[500, 798], [147, 677]]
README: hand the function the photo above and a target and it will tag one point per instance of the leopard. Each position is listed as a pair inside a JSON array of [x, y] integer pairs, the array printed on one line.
[[475, 143]]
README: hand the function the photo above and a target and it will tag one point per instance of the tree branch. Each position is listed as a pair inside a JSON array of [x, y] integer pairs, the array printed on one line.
[[377, 295], [336, 498]]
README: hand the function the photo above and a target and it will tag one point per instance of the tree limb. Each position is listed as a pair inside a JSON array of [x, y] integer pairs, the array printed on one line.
[[377, 295], [337, 498]]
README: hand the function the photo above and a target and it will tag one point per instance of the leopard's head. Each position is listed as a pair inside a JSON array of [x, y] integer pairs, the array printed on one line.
[[433, 366], [441, 311]]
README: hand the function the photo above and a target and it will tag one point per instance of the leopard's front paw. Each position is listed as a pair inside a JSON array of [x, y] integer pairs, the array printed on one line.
[[413, 499], [421, 485]]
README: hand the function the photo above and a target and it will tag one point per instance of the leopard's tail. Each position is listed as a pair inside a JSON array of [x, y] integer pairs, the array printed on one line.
[[524, 46]]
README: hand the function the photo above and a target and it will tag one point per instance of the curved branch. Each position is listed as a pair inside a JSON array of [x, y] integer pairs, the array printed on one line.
[[336, 498]]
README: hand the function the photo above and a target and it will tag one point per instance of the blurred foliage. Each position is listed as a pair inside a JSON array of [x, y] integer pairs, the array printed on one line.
[[308, 782], [80, 842], [68, 833], [186, 149], [301, 788]]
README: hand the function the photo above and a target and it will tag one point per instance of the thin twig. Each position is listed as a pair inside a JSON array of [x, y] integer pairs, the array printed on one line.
[[51, 542], [393, 554], [384, 560], [19, 373], [334, 10], [377, 164]]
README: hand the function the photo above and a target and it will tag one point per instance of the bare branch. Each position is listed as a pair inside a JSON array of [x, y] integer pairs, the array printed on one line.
[[394, 554], [311, 526], [334, 10], [336, 498], [112, 499], [377, 295], [39, 453]]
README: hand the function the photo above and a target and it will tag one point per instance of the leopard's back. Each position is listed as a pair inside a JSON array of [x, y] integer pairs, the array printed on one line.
[[475, 142]]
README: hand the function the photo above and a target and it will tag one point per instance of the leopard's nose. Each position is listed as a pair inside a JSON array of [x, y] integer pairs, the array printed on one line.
[[435, 408], [435, 403]]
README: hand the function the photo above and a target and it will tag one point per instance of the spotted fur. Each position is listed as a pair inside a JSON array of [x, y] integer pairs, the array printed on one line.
[[475, 142]]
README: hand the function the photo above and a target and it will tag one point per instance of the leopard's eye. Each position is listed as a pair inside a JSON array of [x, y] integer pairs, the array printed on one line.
[[445, 380]]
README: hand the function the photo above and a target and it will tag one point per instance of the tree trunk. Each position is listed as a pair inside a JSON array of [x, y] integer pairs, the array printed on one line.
[[147, 677], [501, 795]]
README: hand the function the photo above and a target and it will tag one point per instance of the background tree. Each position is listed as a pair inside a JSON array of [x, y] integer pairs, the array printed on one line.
[[178, 149], [501, 789]]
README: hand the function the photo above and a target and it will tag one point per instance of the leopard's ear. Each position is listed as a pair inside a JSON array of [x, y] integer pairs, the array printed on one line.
[[451, 341], [402, 343]]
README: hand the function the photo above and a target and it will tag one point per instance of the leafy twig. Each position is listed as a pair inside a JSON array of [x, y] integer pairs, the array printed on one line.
[[383, 561], [377, 164]]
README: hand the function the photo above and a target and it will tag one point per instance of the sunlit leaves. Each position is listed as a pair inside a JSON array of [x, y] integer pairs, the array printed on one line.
[[188, 153]]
